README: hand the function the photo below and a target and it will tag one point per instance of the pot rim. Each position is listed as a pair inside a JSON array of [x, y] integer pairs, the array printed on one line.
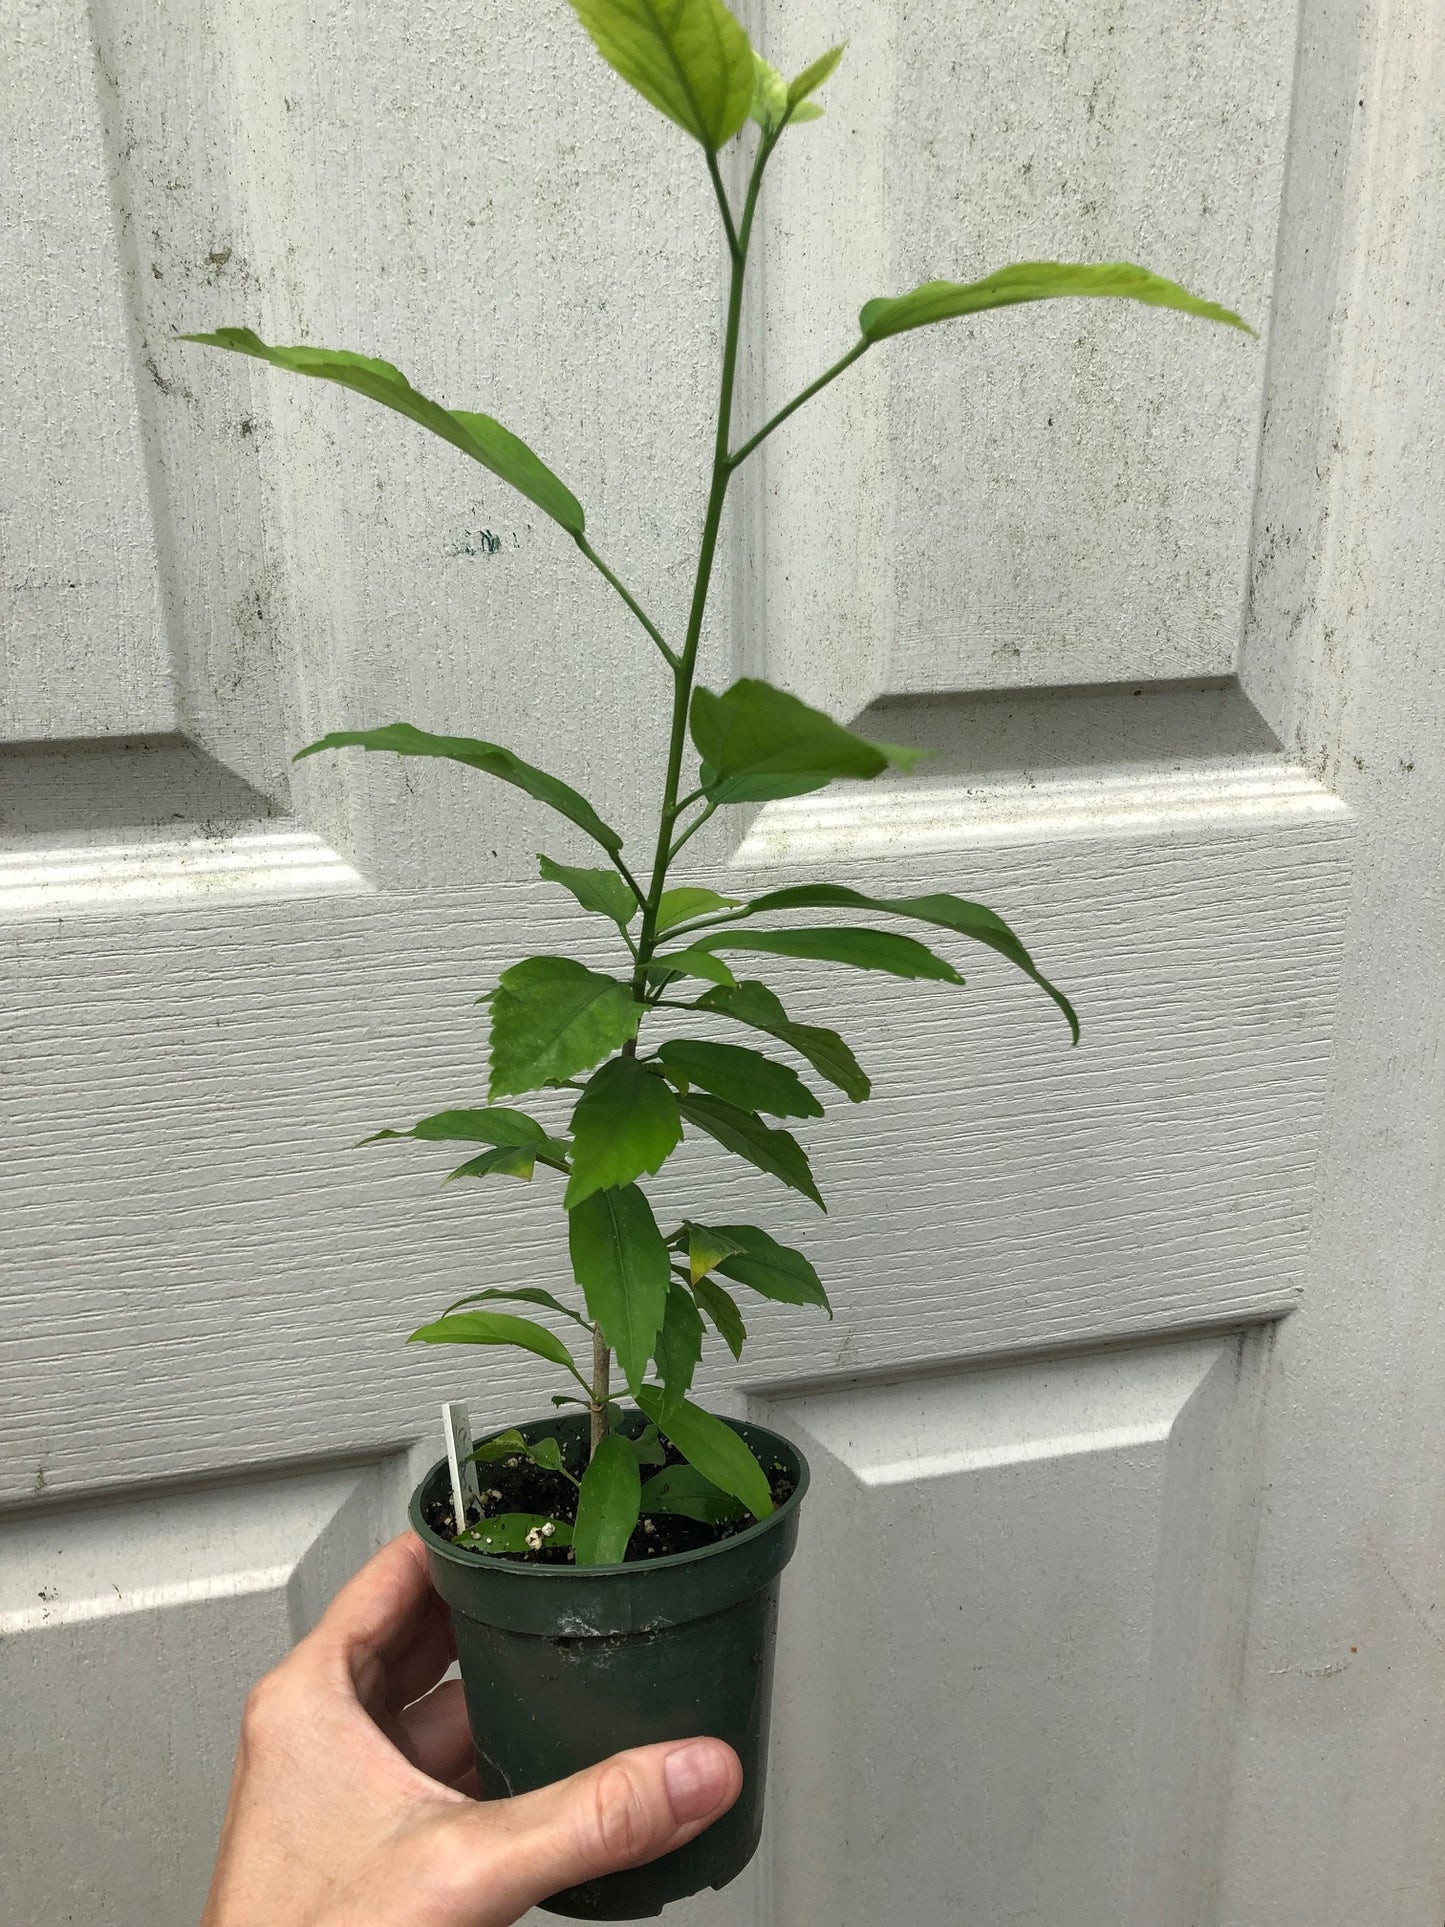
[[470, 1559]]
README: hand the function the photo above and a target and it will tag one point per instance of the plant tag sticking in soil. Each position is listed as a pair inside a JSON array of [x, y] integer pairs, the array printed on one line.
[[465, 1487]]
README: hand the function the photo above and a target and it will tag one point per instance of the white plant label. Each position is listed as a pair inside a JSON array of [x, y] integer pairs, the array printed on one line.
[[465, 1485]]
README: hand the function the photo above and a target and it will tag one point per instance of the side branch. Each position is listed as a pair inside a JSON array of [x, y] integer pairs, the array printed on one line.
[[739, 456], [668, 655]]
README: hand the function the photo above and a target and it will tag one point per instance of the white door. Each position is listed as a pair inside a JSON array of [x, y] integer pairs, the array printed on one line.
[[1115, 1600]]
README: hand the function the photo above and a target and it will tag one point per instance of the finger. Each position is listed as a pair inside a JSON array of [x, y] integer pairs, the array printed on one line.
[[629, 1809], [378, 1615], [435, 1736], [416, 1671]]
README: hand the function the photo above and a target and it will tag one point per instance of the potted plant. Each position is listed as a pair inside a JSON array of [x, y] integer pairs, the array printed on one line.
[[616, 1581]]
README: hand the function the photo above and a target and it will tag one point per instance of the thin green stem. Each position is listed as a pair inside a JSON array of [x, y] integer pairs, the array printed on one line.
[[600, 1389], [734, 245], [740, 455], [628, 878], [669, 655], [691, 830]]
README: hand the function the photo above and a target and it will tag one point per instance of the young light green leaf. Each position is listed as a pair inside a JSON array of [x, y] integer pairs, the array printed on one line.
[[746, 1136], [625, 1124], [551, 1018], [688, 901], [758, 743], [608, 1504], [690, 963], [485, 1124], [948, 912], [739, 1076], [773, 1270], [621, 1264], [679, 1343], [862, 949], [485, 440], [721, 1308], [1033, 281], [499, 1328], [705, 1248], [602, 891], [754, 1004], [502, 1161], [812, 77], [400, 739], [714, 1448], [516, 1532], [770, 95], [690, 58], [522, 1295], [682, 1490]]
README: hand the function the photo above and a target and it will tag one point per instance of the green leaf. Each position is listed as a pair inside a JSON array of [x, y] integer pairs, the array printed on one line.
[[758, 743], [625, 1123], [754, 1004], [773, 1270], [682, 1489], [690, 963], [648, 1448], [511, 1445], [608, 1504], [679, 1343], [602, 891], [770, 95], [499, 1328], [714, 1448], [502, 1161], [551, 1018], [863, 949], [485, 440], [515, 1532], [948, 912], [488, 1124], [522, 1295], [739, 1076], [688, 901], [813, 76], [622, 1266], [721, 1308], [1033, 281], [402, 740], [689, 58], [705, 1248], [746, 1136]]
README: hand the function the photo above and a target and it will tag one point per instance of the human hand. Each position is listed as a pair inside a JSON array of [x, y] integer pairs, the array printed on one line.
[[352, 1803]]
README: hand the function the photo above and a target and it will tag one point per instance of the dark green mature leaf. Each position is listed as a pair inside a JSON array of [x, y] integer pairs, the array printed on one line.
[[516, 1532], [401, 739], [551, 1018], [511, 1445], [746, 1136], [714, 1448], [602, 891], [688, 901], [682, 1490], [625, 1123], [774, 1270], [863, 949], [608, 1504], [522, 1295], [679, 1343], [754, 1004], [721, 1308], [1033, 281], [502, 1161], [498, 1328], [622, 1266], [647, 1447], [948, 912], [485, 440], [486, 1124], [690, 58], [739, 1076], [690, 963], [758, 743]]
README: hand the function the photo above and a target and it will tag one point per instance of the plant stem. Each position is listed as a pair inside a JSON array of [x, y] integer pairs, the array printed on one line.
[[601, 1388], [669, 656], [859, 348]]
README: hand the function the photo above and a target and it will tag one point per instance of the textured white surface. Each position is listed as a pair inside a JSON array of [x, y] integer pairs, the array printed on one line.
[[202, 1281]]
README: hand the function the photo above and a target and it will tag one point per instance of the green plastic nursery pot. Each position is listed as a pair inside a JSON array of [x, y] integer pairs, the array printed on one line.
[[564, 1665]]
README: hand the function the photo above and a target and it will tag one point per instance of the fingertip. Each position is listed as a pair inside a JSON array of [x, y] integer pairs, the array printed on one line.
[[703, 1778]]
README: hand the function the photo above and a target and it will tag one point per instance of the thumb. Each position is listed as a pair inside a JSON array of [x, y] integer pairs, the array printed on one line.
[[629, 1809]]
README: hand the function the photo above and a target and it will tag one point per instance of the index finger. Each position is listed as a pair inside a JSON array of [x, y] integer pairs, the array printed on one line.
[[384, 1616]]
